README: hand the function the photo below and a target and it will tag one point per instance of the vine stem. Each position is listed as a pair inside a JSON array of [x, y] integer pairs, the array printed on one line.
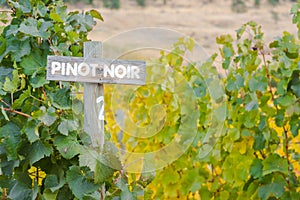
[[285, 131], [8, 11], [4, 193], [15, 111], [4, 103], [102, 192]]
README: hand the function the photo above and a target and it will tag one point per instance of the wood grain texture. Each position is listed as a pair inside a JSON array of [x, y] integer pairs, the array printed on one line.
[[92, 125], [98, 77]]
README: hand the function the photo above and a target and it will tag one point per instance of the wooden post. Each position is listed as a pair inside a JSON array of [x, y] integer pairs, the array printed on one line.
[[94, 100]]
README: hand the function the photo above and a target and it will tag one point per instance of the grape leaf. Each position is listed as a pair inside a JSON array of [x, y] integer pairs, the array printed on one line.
[[35, 62], [96, 14], [256, 168], [24, 5], [102, 172], [38, 151], [22, 188], [67, 126], [54, 183], [31, 130], [67, 146], [10, 133], [17, 48], [274, 163], [12, 85], [18, 103], [79, 183], [275, 187]]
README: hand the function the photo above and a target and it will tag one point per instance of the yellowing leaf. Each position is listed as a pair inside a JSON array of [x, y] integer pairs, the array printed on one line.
[[36, 173]]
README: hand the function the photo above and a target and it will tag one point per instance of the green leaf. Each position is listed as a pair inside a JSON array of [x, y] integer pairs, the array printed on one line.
[[67, 126], [77, 106], [224, 39], [24, 5], [81, 21], [88, 158], [7, 168], [31, 27], [10, 133], [5, 72], [18, 103], [259, 142], [249, 118], [276, 187], [22, 188], [125, 192], [47, 116], [274, 163], [215, 89], [102, 172], [39, 80], [286, 100], [31, 130], [240, 31], [53, 183], [35, 62], [279, 118], [258, 83], [170, 176], [42, 9], [4, 181], [61, 99], [256, 168], [65, 193], [295, 125], [12, 85], [3, 16], [228, 51], [49, 195], [68, 147], [60, 14], [56, 17], [192, 181], [38, 151], [96, 14], [17, 48], [109, 156], [79, 182]]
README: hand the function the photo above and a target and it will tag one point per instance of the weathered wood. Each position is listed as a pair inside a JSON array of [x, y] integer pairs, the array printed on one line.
[[92, 91], [95, 70]]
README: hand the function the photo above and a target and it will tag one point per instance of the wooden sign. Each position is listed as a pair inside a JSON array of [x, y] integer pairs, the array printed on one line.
[[95, 70]]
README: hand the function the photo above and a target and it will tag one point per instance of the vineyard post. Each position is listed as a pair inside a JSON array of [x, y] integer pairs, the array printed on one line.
[[94, 100], [94, 71]]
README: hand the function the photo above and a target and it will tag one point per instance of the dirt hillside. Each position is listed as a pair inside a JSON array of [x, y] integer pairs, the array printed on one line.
[[202, 19]]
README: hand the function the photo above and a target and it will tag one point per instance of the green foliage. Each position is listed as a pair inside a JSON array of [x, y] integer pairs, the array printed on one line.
[[141, 2], [112, 4], [238, 6], [273, 2], [38, 161], [256, 153], [243, 138], [296, 17], [76, 1]]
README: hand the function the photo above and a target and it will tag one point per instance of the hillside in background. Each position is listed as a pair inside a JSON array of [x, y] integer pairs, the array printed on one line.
[[204, 20]]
